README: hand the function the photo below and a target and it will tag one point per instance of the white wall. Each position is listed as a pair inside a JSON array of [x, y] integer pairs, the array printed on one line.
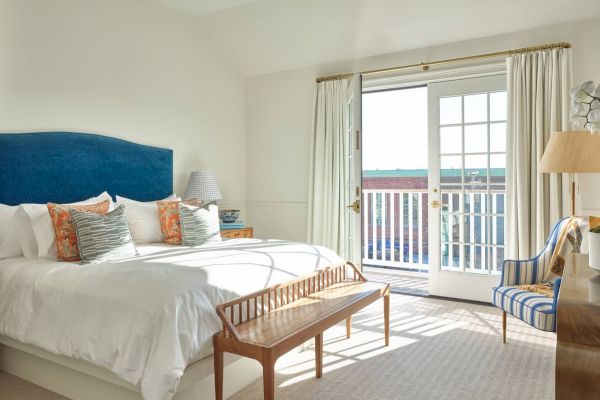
[[279, 121], [278, 126], [131, 69]]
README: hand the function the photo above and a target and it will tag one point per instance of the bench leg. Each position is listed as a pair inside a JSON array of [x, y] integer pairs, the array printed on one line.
[[268, 364], [319, 354], [348, 327], [218, 356], [386, 316], [503, 326]]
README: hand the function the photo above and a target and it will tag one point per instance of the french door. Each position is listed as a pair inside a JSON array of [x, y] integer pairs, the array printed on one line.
[[354, 170], [467, 160]]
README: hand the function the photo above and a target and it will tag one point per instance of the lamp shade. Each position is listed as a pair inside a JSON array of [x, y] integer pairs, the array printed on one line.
[[202, 185], [573, 152]]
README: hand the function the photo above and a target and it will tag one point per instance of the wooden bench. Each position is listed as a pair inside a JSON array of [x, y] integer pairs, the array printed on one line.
[[267, 324]]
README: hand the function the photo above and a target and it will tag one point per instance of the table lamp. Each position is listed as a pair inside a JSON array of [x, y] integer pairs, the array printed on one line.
[[202, 185], [571, 152]]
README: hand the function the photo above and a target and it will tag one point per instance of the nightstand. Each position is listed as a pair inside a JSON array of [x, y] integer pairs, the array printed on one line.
[[247, 232]]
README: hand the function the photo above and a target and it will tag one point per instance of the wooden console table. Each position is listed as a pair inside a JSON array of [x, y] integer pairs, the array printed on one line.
[[578, 332]]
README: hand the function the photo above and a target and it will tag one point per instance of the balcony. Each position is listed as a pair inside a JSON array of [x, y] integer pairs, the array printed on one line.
[[395, 230]]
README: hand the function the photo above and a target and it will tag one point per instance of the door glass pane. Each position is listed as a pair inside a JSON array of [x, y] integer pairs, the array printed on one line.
[[498, 230], [451, 140], [498, 203], [476, 171], [497, 170], [472, 258], [497, 137], [476, 108], [468, 234], [499, 259], [450, 170], [498, 161], [478, 236], [445, 227], [476, 138], [445, 255], [455, 256], [479, 263], [454, 205], [498, 106], [455, 228], [450, 110]]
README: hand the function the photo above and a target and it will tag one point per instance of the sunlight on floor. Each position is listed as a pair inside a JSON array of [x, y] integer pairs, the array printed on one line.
[[400, 281], [428, 336]]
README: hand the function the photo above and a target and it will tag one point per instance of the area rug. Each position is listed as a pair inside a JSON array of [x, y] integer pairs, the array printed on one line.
[[439, 349]]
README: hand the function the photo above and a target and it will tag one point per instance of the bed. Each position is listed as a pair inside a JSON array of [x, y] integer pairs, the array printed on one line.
[[140, 327]]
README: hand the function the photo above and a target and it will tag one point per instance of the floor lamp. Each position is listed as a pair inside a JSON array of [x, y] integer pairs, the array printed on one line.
[[571, 152]]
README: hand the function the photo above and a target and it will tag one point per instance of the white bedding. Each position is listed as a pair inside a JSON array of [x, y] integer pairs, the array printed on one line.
[[144, 318]]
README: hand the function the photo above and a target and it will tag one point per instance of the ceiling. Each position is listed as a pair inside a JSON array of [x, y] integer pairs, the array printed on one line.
[[262, 36]]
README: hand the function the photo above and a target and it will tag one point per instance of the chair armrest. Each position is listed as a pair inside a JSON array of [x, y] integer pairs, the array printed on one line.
[[519, 272]]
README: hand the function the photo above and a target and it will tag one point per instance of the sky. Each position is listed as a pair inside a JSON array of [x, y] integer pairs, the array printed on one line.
[[395, 129]]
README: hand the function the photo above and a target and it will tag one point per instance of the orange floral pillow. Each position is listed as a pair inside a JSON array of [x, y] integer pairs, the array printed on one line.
[[168, 213], [66, 238]]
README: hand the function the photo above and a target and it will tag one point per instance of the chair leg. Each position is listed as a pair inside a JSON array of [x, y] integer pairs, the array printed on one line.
[[503, 326]]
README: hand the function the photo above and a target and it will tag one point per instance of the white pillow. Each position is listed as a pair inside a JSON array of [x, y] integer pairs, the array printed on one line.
[[42, 227], [10, 245], [25, 231], [143, 220]]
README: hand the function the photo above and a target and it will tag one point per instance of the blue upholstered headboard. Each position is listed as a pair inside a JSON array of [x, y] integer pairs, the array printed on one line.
[[64, 167]]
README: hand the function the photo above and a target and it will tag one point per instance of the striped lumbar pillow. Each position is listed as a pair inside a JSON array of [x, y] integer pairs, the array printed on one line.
[[199, 225], [103, 238]]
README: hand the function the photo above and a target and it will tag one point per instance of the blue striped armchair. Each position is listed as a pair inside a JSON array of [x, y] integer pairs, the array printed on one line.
[[535, 309]]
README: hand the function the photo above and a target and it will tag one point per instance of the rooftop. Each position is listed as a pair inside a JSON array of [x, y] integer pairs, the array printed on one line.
[[390, 173]]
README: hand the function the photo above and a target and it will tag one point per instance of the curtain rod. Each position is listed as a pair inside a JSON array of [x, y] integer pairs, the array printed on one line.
[[425, 65]]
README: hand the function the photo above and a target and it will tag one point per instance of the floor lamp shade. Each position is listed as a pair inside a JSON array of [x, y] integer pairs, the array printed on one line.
[[573, 152], [202, 185]]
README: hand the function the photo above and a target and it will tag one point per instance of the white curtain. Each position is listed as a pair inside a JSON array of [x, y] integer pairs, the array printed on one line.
[[538, 104], [328, 167]]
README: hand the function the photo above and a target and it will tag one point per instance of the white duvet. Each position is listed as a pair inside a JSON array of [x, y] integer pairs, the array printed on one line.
[[144, 318]]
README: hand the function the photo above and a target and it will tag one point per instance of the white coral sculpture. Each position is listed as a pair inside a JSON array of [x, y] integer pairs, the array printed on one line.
[[585, 106]]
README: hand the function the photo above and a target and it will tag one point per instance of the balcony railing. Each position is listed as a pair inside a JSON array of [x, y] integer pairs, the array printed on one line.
[[395, 228]]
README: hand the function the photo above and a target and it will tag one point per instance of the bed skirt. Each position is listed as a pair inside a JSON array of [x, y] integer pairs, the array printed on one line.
[[79, 380]]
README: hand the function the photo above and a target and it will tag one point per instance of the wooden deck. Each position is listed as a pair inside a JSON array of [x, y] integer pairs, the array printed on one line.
[[400, 282]]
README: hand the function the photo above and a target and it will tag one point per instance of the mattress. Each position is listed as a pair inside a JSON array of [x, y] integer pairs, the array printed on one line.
[[144, 318]]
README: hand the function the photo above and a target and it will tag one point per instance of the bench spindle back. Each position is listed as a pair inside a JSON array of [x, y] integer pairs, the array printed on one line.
[[265, 301]]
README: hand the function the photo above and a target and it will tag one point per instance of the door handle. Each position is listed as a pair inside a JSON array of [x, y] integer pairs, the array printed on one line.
[[437, 204], [355, 206]]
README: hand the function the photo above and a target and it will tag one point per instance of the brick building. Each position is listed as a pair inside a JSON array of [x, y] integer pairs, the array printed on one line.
[[403, 187]]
